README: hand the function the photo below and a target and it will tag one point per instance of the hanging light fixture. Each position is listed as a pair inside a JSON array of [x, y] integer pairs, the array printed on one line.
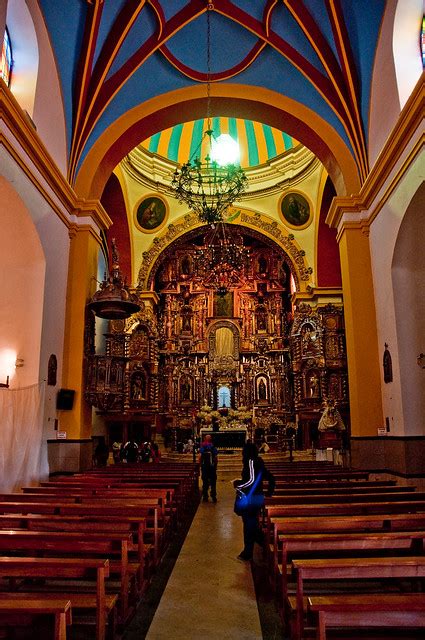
[[209, 186], [222, 262], [113, 300]]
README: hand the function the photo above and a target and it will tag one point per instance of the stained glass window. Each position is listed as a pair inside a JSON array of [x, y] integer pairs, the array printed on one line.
[[423, 41], [6, 59]]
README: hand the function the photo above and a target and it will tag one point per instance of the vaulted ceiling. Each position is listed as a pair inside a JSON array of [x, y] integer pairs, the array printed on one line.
[[132, 68]]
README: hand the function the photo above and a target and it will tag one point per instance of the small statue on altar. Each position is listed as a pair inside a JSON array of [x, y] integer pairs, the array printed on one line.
[[331, 418]]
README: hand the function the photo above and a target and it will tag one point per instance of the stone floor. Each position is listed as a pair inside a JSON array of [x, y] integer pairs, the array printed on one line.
[[210, 594]]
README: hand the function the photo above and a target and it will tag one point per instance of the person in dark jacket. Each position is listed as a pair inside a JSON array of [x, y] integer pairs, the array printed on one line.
[[252, 466], [208, 461]]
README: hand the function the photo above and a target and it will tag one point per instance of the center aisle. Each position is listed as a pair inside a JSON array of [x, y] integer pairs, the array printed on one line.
[[210, 594]]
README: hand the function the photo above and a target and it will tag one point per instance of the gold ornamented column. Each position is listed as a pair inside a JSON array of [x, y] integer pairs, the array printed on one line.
[[360, 318]]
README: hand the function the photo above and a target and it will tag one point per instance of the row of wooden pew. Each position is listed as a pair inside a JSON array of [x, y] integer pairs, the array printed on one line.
[[345, 553], [82, 549]]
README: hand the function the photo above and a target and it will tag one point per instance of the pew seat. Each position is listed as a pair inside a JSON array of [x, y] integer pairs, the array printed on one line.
[[385, 611]]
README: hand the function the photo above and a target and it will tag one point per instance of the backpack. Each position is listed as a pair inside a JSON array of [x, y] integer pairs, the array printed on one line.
[[208, 458]]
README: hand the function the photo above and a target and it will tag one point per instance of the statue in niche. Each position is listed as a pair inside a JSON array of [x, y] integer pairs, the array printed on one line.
[[185, 389], [313, 385], [186, 318], [309, 339], [262, 390], [138, 387]]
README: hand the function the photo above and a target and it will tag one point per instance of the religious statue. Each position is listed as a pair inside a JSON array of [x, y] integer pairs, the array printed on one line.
[[331, 418], [262, 390], [314, 386], [138, 387], [185, 390]]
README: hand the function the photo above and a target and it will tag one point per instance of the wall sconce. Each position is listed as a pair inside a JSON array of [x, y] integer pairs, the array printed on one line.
[[421, 360], [5, 384], [19, 362]]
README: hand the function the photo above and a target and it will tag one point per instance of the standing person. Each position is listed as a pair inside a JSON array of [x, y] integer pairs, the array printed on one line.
[[156, 453], [253, 465], [131, 451], [208, 461]]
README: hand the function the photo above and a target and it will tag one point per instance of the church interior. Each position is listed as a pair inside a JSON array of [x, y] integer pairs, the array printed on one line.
[[154, 291]]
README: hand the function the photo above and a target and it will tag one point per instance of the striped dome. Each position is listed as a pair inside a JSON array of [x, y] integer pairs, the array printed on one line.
[[258, 142]]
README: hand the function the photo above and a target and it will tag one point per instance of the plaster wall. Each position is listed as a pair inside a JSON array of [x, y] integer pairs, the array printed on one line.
[[50, 308], [384, 232]]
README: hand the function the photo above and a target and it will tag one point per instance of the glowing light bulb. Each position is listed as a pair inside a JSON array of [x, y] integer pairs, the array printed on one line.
[[225, 150]]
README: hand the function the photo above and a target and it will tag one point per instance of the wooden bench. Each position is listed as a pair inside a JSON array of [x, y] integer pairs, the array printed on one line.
[[348, 498], [347, 508], [18, 612], [371, 610], [100, 509], [297, 546], [113, 546], [365, 569], [82, 524], [67, 568], [353, 488]]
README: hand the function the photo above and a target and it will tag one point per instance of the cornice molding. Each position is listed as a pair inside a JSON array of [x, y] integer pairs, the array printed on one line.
[[65, 202], [398, 142], [279, 173]]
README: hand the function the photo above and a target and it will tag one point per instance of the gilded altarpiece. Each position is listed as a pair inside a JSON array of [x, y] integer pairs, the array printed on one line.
[[191, 346]]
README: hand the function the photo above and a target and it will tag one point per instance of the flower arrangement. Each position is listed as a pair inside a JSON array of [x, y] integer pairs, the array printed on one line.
[[233, 419]]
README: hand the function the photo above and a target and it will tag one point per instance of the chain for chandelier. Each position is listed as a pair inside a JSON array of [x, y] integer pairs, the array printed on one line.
[[207, 188]]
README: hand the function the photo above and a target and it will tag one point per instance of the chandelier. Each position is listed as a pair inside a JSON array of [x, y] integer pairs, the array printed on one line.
[[222, 262], [209, 186], [113, 300]]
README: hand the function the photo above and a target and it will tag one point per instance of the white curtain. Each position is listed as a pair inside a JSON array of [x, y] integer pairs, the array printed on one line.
[[23, 451], [224, 342]]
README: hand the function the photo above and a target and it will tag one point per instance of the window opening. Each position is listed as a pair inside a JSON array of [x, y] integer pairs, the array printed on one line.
[[6, 59]]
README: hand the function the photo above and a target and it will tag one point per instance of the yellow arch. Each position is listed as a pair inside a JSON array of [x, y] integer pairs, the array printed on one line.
[[187, 104]]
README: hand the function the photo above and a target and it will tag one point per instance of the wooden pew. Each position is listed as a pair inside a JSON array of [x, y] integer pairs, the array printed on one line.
[[17, 612], [371, 610], [347, 508], [319, 545], [82, 524], [366, 569], [113, 546], [335, 497], [353, 487], [94, 511], [67, 568]]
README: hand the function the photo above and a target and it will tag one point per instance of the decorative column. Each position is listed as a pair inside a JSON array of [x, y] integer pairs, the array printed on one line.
[[360, 323], [82, 272]]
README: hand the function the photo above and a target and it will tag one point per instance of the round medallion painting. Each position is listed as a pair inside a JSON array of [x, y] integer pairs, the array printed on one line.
[[151, 213], [295, 209]]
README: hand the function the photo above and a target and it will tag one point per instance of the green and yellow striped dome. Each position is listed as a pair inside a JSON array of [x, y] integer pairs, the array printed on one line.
[[258, 142]]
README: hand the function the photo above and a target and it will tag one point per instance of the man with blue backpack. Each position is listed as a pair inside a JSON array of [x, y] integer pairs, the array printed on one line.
[[208, 461]]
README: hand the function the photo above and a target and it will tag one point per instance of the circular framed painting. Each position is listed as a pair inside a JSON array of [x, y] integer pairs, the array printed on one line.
[[295, 210], [151, 213]]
